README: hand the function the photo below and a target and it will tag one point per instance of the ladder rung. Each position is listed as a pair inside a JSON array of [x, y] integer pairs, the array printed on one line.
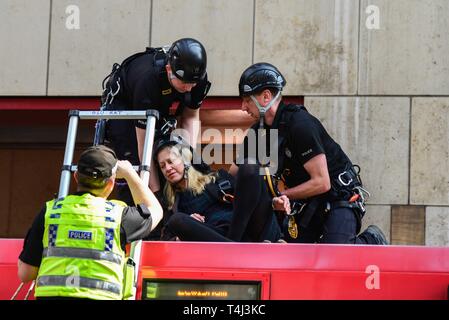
[[124, 115]]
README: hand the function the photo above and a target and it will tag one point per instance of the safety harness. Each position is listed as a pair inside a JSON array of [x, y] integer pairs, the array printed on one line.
[[112, 86], [347, 186], [223, 188]]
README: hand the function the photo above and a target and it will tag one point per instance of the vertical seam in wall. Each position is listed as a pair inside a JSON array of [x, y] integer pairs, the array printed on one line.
[[409, 152], [391, 223], [8, 225], [48, 49], [254, 30], [358, 47], [424, 225], [151, 22]]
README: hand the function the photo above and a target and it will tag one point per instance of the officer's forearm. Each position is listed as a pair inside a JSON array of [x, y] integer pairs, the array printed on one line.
[[191, 123], [142, 195], [310, 188], [26, 272]]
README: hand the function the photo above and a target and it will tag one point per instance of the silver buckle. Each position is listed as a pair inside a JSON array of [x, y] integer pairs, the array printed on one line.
[[341, 180]]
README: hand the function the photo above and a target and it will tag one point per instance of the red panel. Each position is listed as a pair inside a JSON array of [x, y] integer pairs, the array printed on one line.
[[296, 256], [93, 103], [300, 271], [49, 103], [288, 271], [9, 281]]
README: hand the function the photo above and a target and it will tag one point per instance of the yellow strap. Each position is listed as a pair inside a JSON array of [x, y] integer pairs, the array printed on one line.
[[270, 182]]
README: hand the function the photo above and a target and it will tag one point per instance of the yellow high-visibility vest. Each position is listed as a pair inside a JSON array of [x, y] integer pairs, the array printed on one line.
[[82, 256]]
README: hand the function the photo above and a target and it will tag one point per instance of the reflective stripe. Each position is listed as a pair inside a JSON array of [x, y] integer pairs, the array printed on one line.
[[82, 253], [81, 282]]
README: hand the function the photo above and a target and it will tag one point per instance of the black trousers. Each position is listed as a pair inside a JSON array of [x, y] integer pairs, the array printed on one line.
[[121, 137], [253, 219], [337, 226]]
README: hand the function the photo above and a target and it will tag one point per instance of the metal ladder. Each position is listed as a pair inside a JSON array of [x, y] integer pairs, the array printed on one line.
[[75, 115], [101, 116]]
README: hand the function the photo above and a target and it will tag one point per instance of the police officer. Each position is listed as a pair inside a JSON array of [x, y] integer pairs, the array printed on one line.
[[75, 247], [154, 79], [319, 177]]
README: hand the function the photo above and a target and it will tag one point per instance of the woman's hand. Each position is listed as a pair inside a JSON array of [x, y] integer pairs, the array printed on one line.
[[281, 203], [198, 217]]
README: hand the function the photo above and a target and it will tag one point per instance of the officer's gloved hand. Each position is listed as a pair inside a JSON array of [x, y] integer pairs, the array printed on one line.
[[199, 92]]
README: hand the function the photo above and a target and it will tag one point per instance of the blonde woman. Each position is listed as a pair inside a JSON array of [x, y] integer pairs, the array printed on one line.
[[198, 212]]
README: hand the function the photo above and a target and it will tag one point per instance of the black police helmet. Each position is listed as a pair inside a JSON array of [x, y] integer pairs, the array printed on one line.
[[173, 140], [260, 76], [188, 60]]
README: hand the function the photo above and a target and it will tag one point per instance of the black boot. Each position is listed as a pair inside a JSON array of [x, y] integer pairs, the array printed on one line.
[[374, 235]]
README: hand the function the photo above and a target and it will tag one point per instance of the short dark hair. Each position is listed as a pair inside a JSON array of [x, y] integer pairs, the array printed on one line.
[[274, 91], [90, 183]]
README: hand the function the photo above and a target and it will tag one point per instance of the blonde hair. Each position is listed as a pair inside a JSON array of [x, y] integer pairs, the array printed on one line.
[[196, 181]]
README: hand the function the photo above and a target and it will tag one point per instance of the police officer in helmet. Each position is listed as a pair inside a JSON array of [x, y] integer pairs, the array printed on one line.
[[155, 79], [319, 177]]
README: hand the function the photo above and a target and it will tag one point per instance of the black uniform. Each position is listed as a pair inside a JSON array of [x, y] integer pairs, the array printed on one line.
[[144, 85], [136, 224], [327, 218]]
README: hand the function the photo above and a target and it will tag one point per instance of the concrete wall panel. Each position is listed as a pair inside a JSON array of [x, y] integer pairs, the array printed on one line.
[[408, 53], [312, 42], [224, 27], [109, 32], [437, 226], [24, 29], [429, 179], [372, 138]]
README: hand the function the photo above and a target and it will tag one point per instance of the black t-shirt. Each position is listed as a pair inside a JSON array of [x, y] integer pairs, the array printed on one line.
[[135, 225], [304, 137], [145, 85]]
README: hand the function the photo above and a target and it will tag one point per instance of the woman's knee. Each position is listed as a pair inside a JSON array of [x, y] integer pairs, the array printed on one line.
[[177, 221], [248, 171]]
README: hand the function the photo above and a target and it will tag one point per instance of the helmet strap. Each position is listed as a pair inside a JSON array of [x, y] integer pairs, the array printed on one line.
[[263, 110]]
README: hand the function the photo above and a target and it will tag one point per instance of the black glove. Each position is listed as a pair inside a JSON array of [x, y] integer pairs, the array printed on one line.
[[198, 93]]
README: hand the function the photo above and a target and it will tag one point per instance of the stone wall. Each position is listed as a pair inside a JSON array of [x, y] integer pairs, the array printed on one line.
[[374, 71]]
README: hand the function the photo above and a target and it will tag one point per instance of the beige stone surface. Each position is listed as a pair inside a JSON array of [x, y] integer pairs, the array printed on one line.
[[379, 216], [224, 27], [109, 32], [407, 55], [429, 178], [24, 31], [437, 226], [312, 42], [372, 138]]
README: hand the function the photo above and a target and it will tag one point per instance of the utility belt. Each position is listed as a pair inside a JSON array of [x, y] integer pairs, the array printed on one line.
[[347, 192]]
